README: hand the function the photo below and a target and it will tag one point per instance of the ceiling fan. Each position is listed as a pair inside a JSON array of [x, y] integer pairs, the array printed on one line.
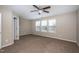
[[40, 10]]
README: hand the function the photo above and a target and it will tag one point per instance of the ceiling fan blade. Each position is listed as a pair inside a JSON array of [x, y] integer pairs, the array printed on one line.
[[34, 10], [36, 7], [46, 11], [46, 7]]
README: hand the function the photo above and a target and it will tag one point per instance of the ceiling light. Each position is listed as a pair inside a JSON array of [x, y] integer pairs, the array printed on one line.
[[40, 11]]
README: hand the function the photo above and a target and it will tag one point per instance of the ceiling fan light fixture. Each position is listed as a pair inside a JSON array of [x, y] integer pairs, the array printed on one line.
[[40, 11]]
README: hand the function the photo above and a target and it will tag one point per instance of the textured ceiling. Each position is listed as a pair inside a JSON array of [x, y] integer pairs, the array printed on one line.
[[24, 10]]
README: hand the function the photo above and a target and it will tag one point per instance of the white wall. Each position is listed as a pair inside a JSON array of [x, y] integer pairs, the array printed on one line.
[[7, 27], [65, 27], [78, 27], [25, 26], [0, 30]]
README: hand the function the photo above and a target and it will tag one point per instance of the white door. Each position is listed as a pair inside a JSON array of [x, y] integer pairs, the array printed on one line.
[[16, 28], [0, 30]]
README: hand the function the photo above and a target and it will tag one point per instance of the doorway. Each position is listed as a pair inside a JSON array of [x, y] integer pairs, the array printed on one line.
[[16, 28]]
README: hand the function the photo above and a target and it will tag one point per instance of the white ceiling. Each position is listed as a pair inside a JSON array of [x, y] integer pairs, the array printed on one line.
[[24, 10]]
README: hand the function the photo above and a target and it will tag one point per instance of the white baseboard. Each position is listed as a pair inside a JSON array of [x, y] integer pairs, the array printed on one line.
[[58, 38], [65, 39], [7, 44], [24, 34]]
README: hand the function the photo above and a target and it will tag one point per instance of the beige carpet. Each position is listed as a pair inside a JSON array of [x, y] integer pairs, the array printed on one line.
[[38, 44]]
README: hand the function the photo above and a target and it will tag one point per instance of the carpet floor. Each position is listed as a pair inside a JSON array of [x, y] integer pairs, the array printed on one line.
[[39, 44]]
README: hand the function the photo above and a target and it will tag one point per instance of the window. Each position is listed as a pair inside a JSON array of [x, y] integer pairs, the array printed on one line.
[[51, 25], [37, 25], [44, 25]]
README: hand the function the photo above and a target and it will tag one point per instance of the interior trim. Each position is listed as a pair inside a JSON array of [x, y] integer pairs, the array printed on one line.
[[7, 45]]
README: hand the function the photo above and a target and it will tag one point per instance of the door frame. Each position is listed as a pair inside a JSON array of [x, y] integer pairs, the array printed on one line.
[[1, 31], [16, 28]]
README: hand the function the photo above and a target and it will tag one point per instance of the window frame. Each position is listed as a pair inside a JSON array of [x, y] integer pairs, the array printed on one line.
[[37, 26], [53, 31], [40, 29]]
